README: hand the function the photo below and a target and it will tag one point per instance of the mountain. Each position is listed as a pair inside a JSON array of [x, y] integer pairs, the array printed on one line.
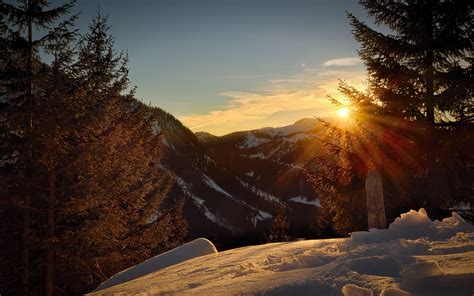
[[233, 184], [204, 136], [273, 160]]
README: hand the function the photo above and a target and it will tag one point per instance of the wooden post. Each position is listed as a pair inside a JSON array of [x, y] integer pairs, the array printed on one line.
[[375, 203], [51, 226]]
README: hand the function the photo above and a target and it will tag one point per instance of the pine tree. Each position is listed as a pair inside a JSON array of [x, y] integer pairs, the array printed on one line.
[[21, 69], [422, 71], [112, 215], [413, 125], [338, 173], [96, 183], [55, 103], [279, 227]]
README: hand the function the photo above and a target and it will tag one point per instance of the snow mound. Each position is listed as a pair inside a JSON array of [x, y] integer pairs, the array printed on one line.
[[421, 270], [414, 256], [353, 290], [414, 224], [394, 292], [196, 248]]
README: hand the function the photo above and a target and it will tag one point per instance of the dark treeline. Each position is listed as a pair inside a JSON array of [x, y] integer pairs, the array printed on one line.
[[81, 188], [413, 125]]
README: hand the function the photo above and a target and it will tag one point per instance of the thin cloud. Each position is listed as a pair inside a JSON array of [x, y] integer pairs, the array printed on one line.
[[303, 95], [352, 61], [249, 110], [290, 80]]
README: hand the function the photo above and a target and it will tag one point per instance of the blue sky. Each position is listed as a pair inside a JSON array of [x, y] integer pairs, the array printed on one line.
[[227, 65]]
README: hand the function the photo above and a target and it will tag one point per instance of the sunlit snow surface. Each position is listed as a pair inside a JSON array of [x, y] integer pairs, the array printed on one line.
[[193, 249], [415, 256]]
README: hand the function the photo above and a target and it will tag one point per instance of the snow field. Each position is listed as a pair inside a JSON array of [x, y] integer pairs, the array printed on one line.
[[414, 256], [193, 249]]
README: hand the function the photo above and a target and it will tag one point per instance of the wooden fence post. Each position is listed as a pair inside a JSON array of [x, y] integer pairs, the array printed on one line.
[[375, 202]]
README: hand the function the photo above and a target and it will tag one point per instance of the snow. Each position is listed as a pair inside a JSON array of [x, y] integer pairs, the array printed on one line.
[[263, 215], [199, 202], [305, 200], [298, 137], [156, 128], [414, 256], [196, 248], [353, 290], [214, 185], [259, 155], [261, 193], [251, 141], [260, 216], [461, 206], [413, 225]]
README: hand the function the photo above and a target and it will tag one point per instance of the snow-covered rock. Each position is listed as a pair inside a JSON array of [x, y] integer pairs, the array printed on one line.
[[414, 256], [196, 248]]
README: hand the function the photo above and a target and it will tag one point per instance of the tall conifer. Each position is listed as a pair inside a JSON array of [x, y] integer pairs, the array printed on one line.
[[19, 21]]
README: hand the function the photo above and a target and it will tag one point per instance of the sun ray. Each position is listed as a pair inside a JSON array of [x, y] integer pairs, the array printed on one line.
[[343, 112]]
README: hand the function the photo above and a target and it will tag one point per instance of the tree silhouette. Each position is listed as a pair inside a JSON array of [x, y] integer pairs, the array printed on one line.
[[413, 125], [420, 75], [18, 22]]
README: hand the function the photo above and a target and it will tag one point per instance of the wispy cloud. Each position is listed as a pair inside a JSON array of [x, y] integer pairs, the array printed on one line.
[[281, 102], [352, 61]]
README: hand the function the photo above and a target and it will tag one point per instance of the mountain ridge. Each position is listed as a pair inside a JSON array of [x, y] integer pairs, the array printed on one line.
[[228, 203]]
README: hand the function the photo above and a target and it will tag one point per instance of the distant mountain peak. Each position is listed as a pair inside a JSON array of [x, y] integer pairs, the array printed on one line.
[[306, 121], [301, 125], [204, 136]]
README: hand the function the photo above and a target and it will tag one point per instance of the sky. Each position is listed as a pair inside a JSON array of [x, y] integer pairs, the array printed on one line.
[[227, 65]]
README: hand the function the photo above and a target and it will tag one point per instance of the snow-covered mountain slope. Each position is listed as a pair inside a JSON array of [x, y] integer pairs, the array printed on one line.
[[218, 203], [415, 256], [273, 160]]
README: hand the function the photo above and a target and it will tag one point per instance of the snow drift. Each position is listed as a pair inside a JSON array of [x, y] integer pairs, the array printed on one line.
[[193, 249], [414, 256]]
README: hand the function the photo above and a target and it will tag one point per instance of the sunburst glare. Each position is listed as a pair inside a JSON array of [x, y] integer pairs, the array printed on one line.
[[343, 112]]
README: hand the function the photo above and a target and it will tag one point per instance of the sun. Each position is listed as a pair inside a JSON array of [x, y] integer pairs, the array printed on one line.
[[343, 112]]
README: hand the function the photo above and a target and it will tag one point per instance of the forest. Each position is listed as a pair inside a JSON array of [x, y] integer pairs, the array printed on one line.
[[88, 187]]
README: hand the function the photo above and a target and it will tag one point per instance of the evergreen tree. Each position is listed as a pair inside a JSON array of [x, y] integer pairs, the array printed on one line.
[[338, 175], [55, 102], [21, 72], [279, 227], [96, 183], [112, 215], [414, 123], [421, 72]]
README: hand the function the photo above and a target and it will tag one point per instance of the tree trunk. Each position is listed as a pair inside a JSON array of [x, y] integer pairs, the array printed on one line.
[[430, 104], [375, 202], [51, 226], [25, 256], [428, 65]]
